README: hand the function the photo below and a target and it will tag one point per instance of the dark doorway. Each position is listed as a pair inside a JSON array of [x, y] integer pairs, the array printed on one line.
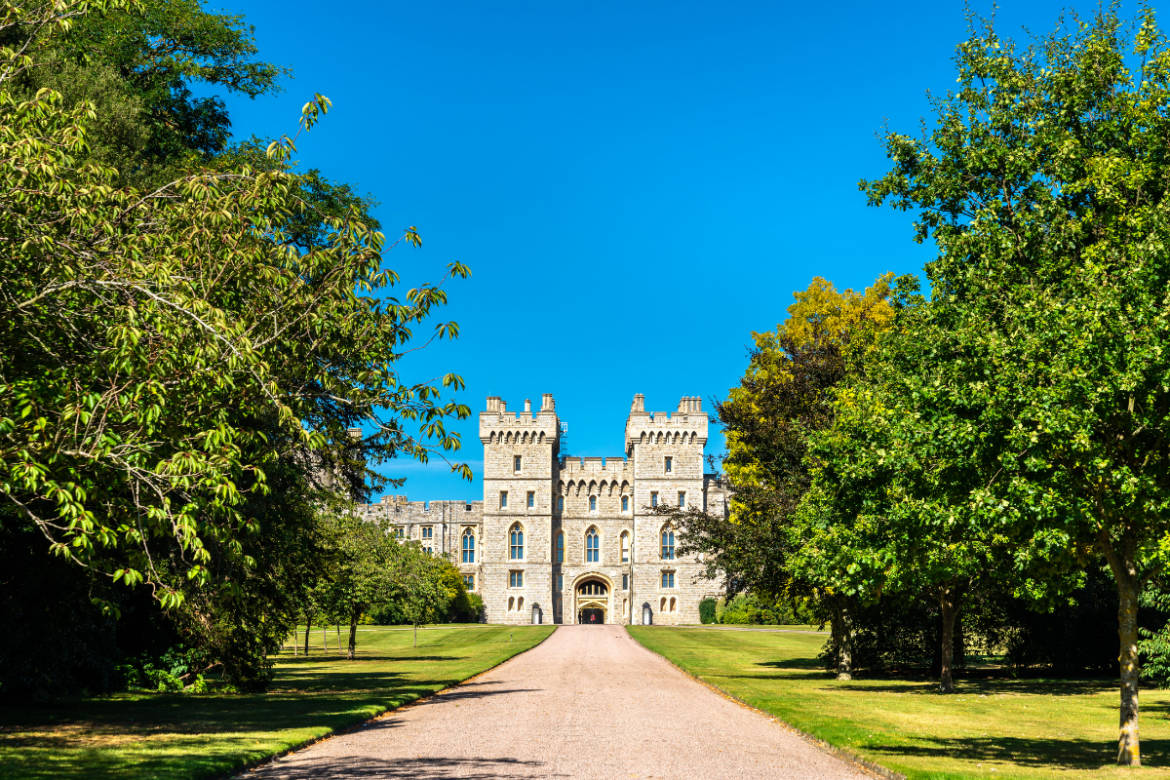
[[589, 616]]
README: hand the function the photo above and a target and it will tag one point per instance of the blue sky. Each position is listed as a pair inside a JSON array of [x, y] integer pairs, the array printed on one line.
[[636, 186]]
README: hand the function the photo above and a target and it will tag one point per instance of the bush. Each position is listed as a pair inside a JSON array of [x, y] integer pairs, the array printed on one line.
[[751, 609], [707, 611]]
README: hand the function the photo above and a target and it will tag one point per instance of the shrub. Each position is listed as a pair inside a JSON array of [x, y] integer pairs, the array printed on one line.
[[707, 611], [752, 609]]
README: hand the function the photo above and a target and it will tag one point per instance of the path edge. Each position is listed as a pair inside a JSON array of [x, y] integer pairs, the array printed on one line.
[[250, 765], [842, 753]]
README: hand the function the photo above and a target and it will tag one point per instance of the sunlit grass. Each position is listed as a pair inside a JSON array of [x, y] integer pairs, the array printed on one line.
[[1028, 728], [185, 736]]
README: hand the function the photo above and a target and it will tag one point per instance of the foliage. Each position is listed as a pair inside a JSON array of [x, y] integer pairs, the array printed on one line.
[[177, 669], [752, 609], [427, 589], [153, 402], [1043, 185], [141, 65], [784, 395], [1155, 644], [707, 611]]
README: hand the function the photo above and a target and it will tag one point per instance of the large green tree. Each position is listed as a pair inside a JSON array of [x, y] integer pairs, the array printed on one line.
[[1044, 185], [785, 394], [171, 352]]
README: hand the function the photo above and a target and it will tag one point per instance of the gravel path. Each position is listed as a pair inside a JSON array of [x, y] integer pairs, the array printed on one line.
[[588, 702]]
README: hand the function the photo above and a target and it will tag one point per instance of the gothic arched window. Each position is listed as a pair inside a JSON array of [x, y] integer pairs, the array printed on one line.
[[469, 546], [592, 546], [516, 542], [667, 543]]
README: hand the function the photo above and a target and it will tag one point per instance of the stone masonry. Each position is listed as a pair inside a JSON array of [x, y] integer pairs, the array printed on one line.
[[574, 539]]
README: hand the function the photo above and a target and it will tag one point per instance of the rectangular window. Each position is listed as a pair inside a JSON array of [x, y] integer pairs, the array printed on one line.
[[516, 463], [592, 503], [531, 499], [428, 532], [560, 582], [560, 503], [668, 579], [625, 582], [469, 581], [400, 532], [515, 579], [503, 498], [654, 498], [669, 463], [625, 503], [427, 548], [682, 498]]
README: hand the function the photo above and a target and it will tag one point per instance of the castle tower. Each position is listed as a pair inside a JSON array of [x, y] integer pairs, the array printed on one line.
[[519, 468], [666, 451]]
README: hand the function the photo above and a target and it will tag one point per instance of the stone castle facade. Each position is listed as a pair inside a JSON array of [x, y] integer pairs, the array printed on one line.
[[569, 539]]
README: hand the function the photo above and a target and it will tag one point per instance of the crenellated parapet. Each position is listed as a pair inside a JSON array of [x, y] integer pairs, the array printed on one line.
[[499, 426], [686, 426]]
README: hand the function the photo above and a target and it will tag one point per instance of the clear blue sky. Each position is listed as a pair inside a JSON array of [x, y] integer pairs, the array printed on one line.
[[637, 186]]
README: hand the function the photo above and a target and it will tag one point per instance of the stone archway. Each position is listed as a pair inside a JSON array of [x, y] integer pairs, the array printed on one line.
[[592, 599]]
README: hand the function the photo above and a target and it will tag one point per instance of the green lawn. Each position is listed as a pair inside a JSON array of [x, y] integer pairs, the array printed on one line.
[[990, 728], [172, 736]]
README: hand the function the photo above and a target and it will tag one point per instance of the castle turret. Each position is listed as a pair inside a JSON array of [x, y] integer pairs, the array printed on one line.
[[667, 455], [519, 465]]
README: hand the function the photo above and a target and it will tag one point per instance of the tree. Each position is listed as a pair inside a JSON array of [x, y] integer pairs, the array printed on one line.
[[141, 65], [783, 396], [888, 513], [1043, 186], [170, 354], [424, 587], [363, 570]]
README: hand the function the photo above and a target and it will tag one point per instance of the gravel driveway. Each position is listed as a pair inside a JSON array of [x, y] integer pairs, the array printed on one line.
[[588, 702]]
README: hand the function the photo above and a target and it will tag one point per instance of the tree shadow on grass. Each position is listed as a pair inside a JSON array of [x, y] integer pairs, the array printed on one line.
[[795, 663], [1054, 753], [822, 676], [984, 687], [300, 660]]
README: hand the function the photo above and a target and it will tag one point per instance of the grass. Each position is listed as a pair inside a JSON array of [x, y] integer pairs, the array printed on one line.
[[1034, 728], [187, 736]]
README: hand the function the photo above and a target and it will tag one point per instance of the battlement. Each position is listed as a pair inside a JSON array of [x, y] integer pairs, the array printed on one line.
[[400, 509], [686, 425], [498, 425], [616, 466]]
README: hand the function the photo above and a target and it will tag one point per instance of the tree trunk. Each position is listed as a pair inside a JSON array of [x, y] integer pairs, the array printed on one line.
[[949, 602], [352, 636], [842, 641], [308, 625], [1128, 749], [1122, 561]]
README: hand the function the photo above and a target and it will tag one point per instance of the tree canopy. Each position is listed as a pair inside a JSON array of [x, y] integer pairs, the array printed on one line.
[[189, 335]]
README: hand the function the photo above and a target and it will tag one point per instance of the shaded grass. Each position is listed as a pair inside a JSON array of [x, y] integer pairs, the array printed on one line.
[[1034, 728], [186, 736]]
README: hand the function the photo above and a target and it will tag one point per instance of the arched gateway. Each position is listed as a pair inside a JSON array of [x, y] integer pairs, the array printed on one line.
[[592, 595]]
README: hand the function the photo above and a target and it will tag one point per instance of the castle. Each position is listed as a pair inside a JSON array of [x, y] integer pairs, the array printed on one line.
[[571, 540]]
